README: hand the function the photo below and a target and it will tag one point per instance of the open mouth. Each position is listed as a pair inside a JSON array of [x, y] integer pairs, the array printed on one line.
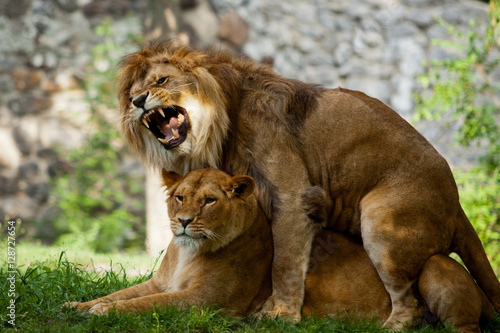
[[169, 125]]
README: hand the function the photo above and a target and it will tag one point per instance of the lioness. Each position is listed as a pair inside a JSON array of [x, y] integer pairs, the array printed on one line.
[[222, 251], [184, 109]]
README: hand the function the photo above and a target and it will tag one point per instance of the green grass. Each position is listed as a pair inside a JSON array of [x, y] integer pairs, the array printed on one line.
[[42, 287], [28, 253]]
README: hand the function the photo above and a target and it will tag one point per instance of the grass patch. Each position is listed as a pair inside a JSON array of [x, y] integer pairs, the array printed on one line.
[[42, 287], [28, 253]]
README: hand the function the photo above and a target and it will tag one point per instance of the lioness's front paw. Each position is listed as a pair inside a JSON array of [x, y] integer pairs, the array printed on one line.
[[102, 308], [275, 308], [71, 305]]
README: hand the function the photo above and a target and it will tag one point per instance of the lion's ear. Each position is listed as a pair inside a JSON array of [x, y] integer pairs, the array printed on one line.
[[169, 178], [240, 186]]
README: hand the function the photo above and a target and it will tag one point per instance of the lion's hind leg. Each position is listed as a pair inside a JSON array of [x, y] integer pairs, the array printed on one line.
[[398, 242], [451, 294]]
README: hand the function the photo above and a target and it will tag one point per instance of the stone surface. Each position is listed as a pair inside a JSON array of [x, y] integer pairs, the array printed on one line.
[[9, 185], [59, 168], [28, 171], [58, 132], [38, 191], [451, 15], [421, 18], [14, 8], [203, 21], [116, 8], [342, 54], [26, 79], [24, 138], [29, 104], [9, 154], [402, 30], [234, 29], [420, 3], [46, 153], [6, 84]]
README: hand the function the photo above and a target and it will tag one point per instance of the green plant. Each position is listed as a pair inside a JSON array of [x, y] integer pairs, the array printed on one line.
[[96, 200], [480, 200], [462, 90], [93, 199]]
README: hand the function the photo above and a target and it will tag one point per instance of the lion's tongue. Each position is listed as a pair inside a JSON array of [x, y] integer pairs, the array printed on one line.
[[170, 129]]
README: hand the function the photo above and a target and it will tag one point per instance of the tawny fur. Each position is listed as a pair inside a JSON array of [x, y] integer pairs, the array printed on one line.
[[386, 183], [342, 281], [223, 258]]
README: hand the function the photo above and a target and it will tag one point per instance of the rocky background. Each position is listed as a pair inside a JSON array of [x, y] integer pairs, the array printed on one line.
[[377, 46]]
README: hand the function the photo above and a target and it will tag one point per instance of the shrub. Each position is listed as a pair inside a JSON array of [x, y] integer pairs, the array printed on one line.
[[97, 200]]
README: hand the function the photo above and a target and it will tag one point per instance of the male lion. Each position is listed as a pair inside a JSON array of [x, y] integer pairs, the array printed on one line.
[[184, 109], [222, 254]]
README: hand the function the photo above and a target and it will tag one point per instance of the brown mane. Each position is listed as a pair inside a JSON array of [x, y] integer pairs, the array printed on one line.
[[248, 90], [265, 89]]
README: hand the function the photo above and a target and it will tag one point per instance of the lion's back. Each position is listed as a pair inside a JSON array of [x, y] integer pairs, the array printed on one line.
[[357, 142]]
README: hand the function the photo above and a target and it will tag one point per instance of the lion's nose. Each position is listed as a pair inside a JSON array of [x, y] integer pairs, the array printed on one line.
[[185, 222], [140, 100]]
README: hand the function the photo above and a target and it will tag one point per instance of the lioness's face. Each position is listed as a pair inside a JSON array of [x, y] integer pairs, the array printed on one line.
[[207, 211]]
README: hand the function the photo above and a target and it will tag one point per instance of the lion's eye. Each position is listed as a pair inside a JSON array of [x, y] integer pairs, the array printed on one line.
[[179, 198], [162, 80], [210, 201]]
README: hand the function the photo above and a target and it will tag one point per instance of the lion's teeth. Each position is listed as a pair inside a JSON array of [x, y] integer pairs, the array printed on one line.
[[175, 132], [180, 119], [162, 140], [161, 112], [145, 122]]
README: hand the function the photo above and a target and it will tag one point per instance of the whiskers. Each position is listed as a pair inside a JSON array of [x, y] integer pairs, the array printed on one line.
[[198, 238], [212, 235], [174, 88], [128, 124]]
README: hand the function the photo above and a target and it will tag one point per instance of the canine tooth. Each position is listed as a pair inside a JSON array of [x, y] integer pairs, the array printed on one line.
[[162, 140], [145, 122], [175, 132], [180, 119], [161, 112]]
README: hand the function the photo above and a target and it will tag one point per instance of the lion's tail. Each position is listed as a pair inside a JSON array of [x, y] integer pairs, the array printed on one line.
[[467, 245]]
